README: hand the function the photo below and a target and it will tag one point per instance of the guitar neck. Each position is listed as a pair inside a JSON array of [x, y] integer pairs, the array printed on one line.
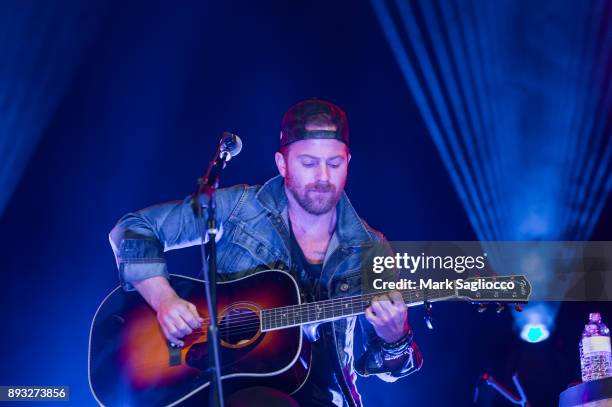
[[328, 310]]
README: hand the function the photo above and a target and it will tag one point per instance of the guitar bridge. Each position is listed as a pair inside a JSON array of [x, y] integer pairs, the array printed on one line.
[[174, 354]]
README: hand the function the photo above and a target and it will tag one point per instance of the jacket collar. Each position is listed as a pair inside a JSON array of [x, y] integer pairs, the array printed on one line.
[[350, 229]]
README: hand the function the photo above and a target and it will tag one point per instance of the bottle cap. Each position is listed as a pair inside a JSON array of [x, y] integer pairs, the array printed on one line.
[[595, 317]]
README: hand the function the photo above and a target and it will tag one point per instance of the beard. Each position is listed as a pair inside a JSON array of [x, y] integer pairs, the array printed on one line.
[[317, 198]]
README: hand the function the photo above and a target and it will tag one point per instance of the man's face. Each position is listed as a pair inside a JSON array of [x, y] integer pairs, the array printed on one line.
[[315, 172]]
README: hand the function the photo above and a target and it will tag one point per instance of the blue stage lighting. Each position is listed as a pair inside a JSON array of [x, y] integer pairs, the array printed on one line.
[[536, 321], [518, 106], [534, 333], [518, 110]]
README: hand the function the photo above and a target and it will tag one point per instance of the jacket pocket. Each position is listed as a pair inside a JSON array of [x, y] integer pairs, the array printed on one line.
[[243, 252], [257, 247]]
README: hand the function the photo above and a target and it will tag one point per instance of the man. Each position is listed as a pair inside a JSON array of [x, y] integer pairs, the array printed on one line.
[[301, 220]]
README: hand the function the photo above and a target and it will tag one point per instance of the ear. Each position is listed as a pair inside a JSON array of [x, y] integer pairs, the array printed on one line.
[[281, 164], [349, 158]]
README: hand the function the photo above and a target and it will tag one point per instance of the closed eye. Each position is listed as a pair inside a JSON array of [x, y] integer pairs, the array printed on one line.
[[335, 162]]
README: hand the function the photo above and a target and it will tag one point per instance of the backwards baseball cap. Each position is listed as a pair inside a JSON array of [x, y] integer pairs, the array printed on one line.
[[314, 113]]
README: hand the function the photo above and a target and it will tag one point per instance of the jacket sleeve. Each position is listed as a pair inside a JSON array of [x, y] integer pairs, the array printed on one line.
[[139, 239], [371, 361]]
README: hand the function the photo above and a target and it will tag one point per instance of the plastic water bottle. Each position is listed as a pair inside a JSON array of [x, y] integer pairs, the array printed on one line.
[[595, 353]]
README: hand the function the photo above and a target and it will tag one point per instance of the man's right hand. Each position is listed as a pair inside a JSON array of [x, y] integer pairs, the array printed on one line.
[[176, 316]]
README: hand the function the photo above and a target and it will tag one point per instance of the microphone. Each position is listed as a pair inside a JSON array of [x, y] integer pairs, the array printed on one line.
[[230, 146]]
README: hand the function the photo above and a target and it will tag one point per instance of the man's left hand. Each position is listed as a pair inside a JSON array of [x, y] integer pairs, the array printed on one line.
[[388, 315]]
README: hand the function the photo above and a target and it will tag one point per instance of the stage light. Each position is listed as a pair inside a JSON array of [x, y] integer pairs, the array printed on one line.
[[536, 321], [534, 333]]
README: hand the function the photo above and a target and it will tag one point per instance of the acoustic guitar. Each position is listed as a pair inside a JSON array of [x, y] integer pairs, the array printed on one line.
[[260, 318]]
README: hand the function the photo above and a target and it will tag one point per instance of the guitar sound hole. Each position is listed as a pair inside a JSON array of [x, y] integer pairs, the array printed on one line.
[[239, 326]]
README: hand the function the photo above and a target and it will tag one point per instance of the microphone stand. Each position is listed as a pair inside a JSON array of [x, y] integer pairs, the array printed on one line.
[[488, 379], [205, 198]]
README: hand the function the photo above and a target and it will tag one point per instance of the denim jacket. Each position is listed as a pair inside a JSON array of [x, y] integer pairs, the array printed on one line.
[[254, 221]]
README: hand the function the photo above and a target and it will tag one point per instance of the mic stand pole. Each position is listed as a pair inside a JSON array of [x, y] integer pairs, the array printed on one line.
[[205, 198]]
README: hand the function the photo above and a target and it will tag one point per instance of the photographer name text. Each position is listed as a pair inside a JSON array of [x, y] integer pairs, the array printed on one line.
[[447, 284]]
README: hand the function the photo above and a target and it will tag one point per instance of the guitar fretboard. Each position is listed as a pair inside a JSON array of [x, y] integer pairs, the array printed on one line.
[[321, 311]]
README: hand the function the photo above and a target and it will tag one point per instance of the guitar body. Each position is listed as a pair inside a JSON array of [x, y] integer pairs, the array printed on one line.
[[132, 364]]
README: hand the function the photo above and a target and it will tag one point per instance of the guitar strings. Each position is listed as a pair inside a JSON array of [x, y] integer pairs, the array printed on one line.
[[337, 304], [245, 323], [248, 323], [226, 330], [332, 305], [323, 306]]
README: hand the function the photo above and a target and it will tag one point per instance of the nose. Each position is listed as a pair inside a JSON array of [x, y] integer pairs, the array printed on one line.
[[323, 172]]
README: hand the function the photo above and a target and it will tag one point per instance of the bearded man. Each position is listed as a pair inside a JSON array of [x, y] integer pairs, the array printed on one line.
[[300, 221]]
